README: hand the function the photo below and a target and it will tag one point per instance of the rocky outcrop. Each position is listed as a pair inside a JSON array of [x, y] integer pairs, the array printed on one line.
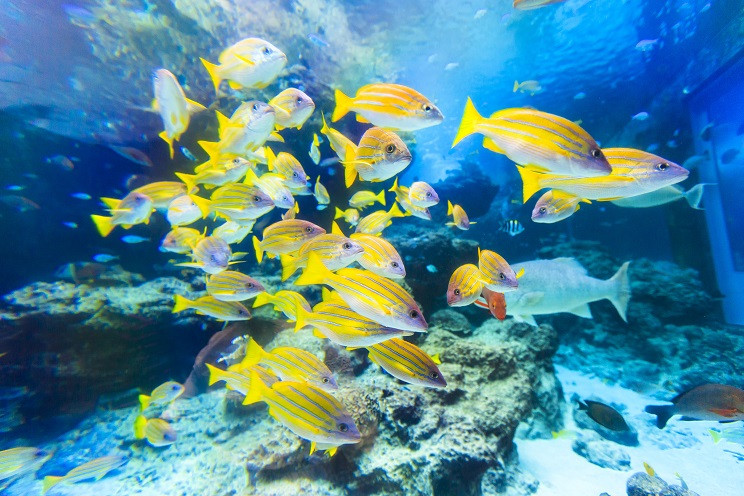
[[642, 484], [602, 453]]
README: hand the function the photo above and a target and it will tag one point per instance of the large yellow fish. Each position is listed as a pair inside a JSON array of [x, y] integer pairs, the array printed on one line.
[[368, 294], [226, 311], [380, 155], [135, 208], [407, 362], [94, 469], [334, 250], [293, 107], [163, 192], [379, 256], [392, 106], [249, 63], [291, 364], [174, 108], [497, 273], [285, 236], [245, 131], [543, 141]]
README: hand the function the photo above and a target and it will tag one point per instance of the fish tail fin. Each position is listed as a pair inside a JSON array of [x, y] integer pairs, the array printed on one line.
[[290, 265], [530, 182], [515, 87], [262, 299], [395, 211], [450, 208], [470, 119], [211, 148], [202, 203], [253, 354], [301, 316], [215, 374], [139, 426], [339, 213], [324, 129], [194, 106], [663, 413], [103, 224], [717, 436], [315, 272], [181, 303], [621, 291], [380, 197], [270, 158], [695, 195], [257, 247], [394, 187], [188, 180], [144, 401], [164, 136], [335, 229], [49, 482], [213, 70], [343, 105], [257, 390], [350, 171]]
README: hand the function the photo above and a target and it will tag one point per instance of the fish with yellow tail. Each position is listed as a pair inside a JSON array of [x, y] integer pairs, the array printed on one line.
[[315, 150], [180, 240], [460, 219], [156, 431], [339, 143], [237, 376], [286, 165], [292, 212], [376, 222], [380, 155], [350, 215], [162, 192], [225, 171], [555, 206], [496, 271], [530, 86], [161, 395], [225, 311], [285, 236], [135, 208], [231, 285], [368, 294], [232, 232], [334, 250], [174, 108], [291, 364], [293, 107], [364, 198], [545, 142], [283, 301], [211, 254], [249, 63], [247, 129], [465, 286], [94, 469], [379, 256], [274, 186], [187, 209], [407, 362], [392, 106], [421, 194], [308, 411], [240, 202], [15, 462], [335, 320], [321, 195]]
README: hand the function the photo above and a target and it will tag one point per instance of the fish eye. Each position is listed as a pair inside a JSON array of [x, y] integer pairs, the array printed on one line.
[[213, 258], [266, 50], [236, 161], [309, 229], [394, 264], [256, 199], [249, 285], [299, 99], [502, 276], [294, 174], [457, 292], [343, 427], [326, 380], [255, 106], [596, 153], [347, 246], [427, 107], [428, 194], [413, 314], [174, 387], [434, 375], [662, 166], [543, 210], [390, 148]]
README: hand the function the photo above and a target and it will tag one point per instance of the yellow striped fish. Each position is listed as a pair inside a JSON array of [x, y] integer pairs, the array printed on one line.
[[227, 311], [174, 108], [186, 210], [211, 254], [240, 202], [379, 256], [238, 378], [283, 301], [634, 172], [464, 286], [162, 192], [293, 107], [411, 209], [421, 194], [161, 395], [181, 240], [334, 320], [497, 273], [407, 362], [368, 294], [291, 364], [554, 206], [273, 185], [308, 411], [286, 165], [231, 171], [135, 208], [245, 131], [459, 218], [285, 236], [321, 195], [18, 461], [94, 469], [376, 222], [231, 285], [350, 215], [334, 250], [544, 141], [156, 431], [292, 212], [339, 143], [249, 63], [364, 198], [379, 156], [388, 105], [234, 231]]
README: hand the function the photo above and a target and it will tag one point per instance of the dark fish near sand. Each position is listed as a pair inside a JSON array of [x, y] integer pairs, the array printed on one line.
[[604, 415], [716, 402]]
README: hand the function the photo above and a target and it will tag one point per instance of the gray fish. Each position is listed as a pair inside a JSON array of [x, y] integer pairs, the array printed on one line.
[[604, 415], [707, 402]]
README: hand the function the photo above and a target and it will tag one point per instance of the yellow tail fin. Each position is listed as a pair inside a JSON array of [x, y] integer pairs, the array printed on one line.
[[335, 229], [49, 482], [270, 158], [394, 188], [343, 105], [715, 435], [470, 119], [211, 148], [530, 182], [350, 171], [450, 208], [257, 390], [259, 250], [215, 374], [188, 180], [164, 136], [395, 211], [213, 70], [202, 203], [181, 303], [195, 106], [315, 272], [301, 316], [139, 427], [289, 266], [144, 402], [262, 299], [111, 203], [253, 354], [339, 213], [103, 224], [380, 197], [324, 129]]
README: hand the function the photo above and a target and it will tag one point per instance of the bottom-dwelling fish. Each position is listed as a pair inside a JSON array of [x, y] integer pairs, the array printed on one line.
[[562, 285], [707, 402], [604, 415]]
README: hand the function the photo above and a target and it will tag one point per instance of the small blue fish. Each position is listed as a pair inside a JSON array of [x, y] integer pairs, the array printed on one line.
[[672, 143], [580, 95], [71, 225], [431, 268], [646, 45], [187, 153], [133, 239], [317, 40], [31, 175], [15, 187], [104, 257], [641, 116], [512, 227], [81, 196], [653, 147]]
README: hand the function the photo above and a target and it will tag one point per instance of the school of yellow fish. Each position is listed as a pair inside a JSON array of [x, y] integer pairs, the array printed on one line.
[[244, 179]]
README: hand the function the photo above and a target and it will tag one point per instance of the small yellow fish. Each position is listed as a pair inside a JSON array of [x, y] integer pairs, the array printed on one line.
[[283, 301], [421, 194], [649, 469], [233, 286], [563, 434], [162, 192], [350, 215], [285, 236], [15, 462], [240, 202], [249, 63], [376, 222], [362, 199], [497, 273], [292, 212], [187, 209], [392, 106], [554, 206], [174, 108], [161, 395], [156, 431], [274, 186], [407, 362], [314, 150], [334, 250], [94, 469], [238, 378], [459, 217], [135, 208], [465, 286], [293, 107], [380, 155], [232, 232], [321, 195], [379, 256], [291, 364], [247, 129], [228, 171], [227, 311], [210, 254], [530, 86], [285, 164]]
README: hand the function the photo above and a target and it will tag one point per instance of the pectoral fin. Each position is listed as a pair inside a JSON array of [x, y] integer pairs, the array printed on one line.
[[582, 311]]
